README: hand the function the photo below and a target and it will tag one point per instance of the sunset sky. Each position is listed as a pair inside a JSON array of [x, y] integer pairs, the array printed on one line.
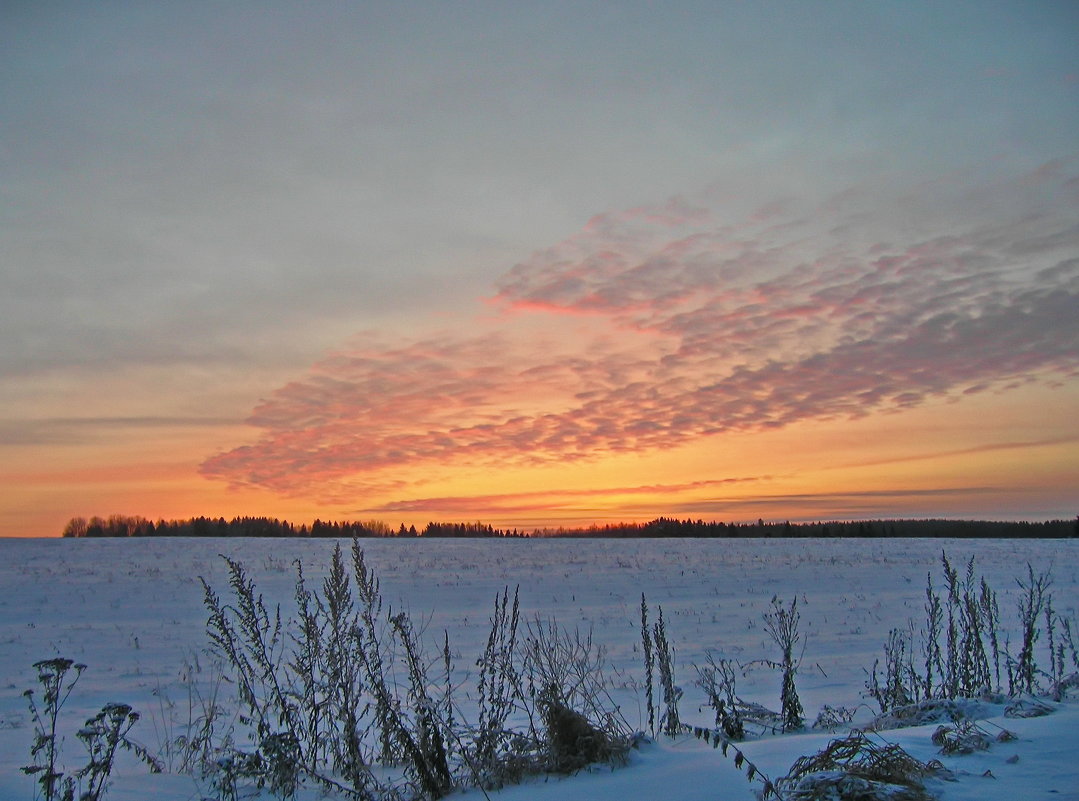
[[538, 263]]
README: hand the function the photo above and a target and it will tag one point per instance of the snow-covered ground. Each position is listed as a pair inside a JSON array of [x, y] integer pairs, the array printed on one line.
[[132, 611]]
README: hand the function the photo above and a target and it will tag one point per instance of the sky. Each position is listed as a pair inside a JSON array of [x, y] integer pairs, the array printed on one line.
[[538, 264]]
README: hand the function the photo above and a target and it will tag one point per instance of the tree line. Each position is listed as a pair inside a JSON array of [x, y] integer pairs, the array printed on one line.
[[136, 526]]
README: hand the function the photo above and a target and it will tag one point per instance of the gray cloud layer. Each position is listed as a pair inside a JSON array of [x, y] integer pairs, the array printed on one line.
[[198, 181]]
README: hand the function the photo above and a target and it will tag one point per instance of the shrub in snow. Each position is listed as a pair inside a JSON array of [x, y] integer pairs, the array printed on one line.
[[839, 786], [1027, 707], [962, 650], [966, 737], [935, 710], [832, 718], [344, 696], [855, 768], [572, 741]]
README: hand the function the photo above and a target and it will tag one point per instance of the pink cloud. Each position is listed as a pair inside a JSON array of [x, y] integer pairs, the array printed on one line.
[[752, 324]]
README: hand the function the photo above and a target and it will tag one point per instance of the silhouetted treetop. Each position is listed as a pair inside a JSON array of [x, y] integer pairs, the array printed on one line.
[[135, 526]]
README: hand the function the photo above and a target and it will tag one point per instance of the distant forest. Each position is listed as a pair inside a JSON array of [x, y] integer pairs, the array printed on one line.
[[134, 526]]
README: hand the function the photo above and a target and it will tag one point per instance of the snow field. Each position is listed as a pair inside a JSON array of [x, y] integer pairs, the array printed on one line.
[[132, 611]]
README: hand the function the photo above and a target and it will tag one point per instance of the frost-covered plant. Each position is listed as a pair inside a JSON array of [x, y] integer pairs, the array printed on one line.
[[301, 691], [987, 603], [252, 642], [969, 661], [343, 688], [971, 613], [649, 666], [1067, 637], [934, 663], [325, 658], [498, 690], [569, 670], [1031, 601], [53, 675], [670, 723], [422, 739], [895, 687], [555, 680], [102, 735], [782, 626], [659, 653], [974, 664], [717, 679]]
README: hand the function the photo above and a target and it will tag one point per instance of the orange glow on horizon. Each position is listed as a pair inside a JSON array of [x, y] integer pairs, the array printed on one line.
[[943, 459]]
